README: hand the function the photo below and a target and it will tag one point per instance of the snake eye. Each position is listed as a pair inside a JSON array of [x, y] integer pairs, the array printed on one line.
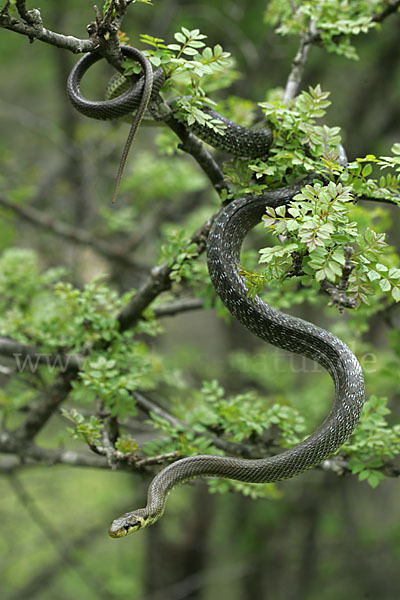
[[132, 525]]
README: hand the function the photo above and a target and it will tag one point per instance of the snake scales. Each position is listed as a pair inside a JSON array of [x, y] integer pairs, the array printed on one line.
[[237, 140], [282, 330]]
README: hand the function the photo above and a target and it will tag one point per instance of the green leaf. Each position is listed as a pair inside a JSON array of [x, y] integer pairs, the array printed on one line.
[[394, 273], [189, 51], [196, 44], [179, 37], [396, 293], [373, 275], [374, 478], [367, 170], [380, 267], [396, 148], [384, 284]]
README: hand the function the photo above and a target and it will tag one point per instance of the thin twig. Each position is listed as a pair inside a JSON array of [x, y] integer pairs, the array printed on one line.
[[151, 407], [170, 309], [299, 64], [156, 460], [158, 281], [74, 234], [24, 12], [108, 446], [347, 269], [243, 450], [27, 455], [394, 202]]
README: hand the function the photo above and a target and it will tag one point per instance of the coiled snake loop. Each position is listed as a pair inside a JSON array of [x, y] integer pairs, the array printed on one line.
[[237, 140]]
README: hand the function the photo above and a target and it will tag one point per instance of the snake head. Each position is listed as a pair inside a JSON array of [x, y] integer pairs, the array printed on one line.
[[128, 523]]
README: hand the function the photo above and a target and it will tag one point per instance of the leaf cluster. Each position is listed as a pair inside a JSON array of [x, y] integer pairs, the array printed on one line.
[[373, 443], [187, 62], [178, 252], [380, 185], [334, 22], [300, 146], [236, 418], [319, 238], [86, 430], [112, 374], [59, 318]]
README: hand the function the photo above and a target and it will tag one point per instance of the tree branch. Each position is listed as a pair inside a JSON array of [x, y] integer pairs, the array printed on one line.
[[158, 281], [74, 234], [41, 412], [193, 146], [21, 352], [31, 455], [9, 347], [392, 7], [27, 455], [33, 28], [299, 64], [103, 31]]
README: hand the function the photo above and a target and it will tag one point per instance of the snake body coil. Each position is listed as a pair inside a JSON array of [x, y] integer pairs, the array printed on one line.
[[113, 108], [236, 140], [281, 330]]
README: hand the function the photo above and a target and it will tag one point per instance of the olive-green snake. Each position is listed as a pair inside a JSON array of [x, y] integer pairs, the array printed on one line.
[[282, 330]]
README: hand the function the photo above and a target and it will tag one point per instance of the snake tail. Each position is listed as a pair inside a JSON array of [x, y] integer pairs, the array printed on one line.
[[283, 331], [136, 98], [144, 101]]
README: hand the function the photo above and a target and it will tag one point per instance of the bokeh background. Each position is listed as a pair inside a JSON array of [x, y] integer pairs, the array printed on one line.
[[318, 536]]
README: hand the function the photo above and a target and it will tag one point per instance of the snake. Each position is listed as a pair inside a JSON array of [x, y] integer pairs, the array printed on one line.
[[235, 139], [282, 330]]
